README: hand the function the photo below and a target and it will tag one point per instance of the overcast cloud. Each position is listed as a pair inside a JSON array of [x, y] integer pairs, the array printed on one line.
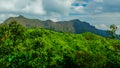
[[100, 13]]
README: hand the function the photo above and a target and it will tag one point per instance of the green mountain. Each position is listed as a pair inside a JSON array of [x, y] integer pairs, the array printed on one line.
[[72, 26], [41, 48], [24, 21]]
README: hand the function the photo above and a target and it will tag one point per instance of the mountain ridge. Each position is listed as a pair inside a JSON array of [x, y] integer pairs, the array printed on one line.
[[71, 26]]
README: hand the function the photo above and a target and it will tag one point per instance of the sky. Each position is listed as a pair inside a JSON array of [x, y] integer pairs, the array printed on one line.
[[100, 13]]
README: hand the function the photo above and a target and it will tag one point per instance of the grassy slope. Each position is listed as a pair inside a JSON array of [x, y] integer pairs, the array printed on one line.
[[45, 48]]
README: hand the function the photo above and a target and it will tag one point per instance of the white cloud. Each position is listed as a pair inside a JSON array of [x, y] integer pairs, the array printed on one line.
[[94, 7], [93, 11], [5, 16], [7, 5], [48, 8], [34, 7], [57, 6], [118, 26], [77, 10], [103, 6], [96, 26], [22, 6], [103, 26]]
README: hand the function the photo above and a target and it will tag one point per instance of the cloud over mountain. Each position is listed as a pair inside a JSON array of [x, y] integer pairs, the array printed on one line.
[[87, 10]]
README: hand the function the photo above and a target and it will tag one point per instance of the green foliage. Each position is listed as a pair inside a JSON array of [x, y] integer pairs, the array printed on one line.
[[41, 48], [112, 31], [13, 31]]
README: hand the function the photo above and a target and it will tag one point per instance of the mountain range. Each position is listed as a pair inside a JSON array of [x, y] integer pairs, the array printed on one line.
[[71, 26]]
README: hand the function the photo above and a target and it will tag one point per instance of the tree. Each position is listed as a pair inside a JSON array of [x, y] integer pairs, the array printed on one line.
[[13, 31], [4, 32], [16, 30], [112, 31]]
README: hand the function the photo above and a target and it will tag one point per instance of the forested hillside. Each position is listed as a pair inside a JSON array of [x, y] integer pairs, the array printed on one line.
[[22, 47]]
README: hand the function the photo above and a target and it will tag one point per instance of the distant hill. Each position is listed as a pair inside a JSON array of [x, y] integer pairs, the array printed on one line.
[[72, 26]]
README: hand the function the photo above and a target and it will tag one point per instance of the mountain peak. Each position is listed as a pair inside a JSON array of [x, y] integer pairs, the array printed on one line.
[[20, 16], [76, 20], [49, 20]]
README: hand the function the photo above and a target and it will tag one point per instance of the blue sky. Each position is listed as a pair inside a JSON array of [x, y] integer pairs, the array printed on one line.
[[100, 13]]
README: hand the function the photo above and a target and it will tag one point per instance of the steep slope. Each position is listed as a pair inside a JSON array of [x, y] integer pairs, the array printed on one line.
[[72, 26]]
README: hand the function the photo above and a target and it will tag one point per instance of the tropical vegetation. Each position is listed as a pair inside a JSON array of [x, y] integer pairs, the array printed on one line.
[[22, 47]]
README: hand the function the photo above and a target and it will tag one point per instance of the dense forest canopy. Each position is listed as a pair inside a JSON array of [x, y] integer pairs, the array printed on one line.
[[43, 48]]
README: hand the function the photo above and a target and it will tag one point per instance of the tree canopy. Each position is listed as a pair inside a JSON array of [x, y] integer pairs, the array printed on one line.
[[42, 48]]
